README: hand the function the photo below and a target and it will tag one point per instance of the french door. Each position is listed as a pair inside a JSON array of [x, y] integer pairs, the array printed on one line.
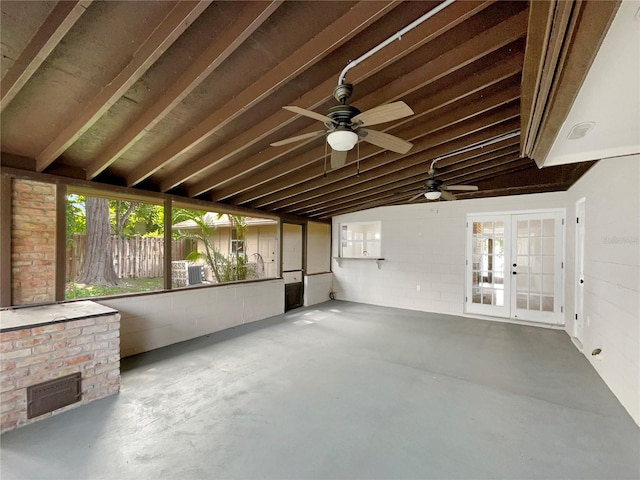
[[515, 266]]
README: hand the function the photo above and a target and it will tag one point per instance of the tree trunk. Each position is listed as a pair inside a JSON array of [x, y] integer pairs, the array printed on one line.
[[98, 258]]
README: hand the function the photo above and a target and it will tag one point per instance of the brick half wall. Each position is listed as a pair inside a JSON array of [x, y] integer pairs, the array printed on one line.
[[38, 354]]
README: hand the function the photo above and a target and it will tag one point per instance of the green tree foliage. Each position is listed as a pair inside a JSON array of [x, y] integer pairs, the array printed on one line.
[[126, 219], [76, 216], [225, 268], [132, 219]]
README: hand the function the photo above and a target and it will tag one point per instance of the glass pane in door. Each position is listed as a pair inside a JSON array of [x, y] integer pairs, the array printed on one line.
[[535, 264], [488, 263]]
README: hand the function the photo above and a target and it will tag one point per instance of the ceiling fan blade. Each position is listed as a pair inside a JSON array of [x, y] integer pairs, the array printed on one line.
[[385, 140], [446, 195], [304, 136], [415, 197], [383, 113], [308, 113], [338, 158], [466, 188]]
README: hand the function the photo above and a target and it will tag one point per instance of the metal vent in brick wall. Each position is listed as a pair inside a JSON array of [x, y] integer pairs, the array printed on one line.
[[49, 396]]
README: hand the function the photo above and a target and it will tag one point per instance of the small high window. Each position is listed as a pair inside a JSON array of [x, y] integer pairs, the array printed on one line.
[[360, 240]]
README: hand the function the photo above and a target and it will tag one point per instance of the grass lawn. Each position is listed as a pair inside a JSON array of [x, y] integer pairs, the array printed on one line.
[[128, 285]]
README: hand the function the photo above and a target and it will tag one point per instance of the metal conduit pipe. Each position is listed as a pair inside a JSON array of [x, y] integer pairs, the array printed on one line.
[[395, 36], [506, 136]]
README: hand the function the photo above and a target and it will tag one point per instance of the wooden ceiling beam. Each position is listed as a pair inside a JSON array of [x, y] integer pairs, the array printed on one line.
[[486, 171], [319, 203], [218, 162], [63, 16], [348, 25], [522, 167], [458, 91], [160, 38], [382, 201], [442, 143], [474, 49], [248, 21], [414, 182], [426, 130], [408, 166], [453, 164], [461, 161], [562, 176], [312, 174]]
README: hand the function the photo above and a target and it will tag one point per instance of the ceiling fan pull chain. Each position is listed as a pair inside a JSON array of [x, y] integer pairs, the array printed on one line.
[[358, 159], [325, 160]]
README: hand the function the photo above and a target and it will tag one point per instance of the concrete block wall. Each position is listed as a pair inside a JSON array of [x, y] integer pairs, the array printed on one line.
[[424, 250], [30, 356], [33, 231], [424, 245], [611, 315], [317, 288], [161, 319]]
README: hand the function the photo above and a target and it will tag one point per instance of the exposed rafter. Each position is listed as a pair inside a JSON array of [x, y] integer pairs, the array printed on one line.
[[348, 25], [250, 19], [184, 98], [63, 16], [160, 38]]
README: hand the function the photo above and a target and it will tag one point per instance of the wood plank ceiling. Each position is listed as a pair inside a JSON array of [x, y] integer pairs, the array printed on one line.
[[186, 97]]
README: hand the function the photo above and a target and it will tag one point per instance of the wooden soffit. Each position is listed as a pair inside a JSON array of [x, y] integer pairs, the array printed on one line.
[[563, 39]]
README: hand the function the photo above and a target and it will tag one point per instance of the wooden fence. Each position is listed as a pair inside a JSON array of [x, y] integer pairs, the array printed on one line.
[[133, 257]]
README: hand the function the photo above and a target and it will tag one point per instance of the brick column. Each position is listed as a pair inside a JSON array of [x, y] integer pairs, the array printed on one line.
[[33, 233]]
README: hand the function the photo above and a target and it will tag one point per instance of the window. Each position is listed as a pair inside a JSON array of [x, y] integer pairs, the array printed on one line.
[[360, 240], [237, 243], [221, 247], [114, 245]]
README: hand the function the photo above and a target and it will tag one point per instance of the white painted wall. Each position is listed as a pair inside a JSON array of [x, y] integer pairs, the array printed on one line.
[[153, 321], [291, 247], [318, 278], [423, 245], [318, 247], [317, 288], [612, 274]]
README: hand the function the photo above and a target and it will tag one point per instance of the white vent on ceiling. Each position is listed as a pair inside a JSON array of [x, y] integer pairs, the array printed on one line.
[[580, 130]]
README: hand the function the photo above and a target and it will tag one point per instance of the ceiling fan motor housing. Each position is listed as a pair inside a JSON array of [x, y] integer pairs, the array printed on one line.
[[433, 185], [342, 115]]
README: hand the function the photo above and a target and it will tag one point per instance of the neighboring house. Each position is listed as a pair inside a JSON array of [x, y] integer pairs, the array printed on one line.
[[260, 239]]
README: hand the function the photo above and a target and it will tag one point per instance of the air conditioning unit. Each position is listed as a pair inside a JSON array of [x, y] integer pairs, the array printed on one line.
[[195, 274]]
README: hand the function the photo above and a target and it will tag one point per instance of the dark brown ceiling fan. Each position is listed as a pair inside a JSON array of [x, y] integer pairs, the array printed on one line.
[[435, 189], [344, 126]]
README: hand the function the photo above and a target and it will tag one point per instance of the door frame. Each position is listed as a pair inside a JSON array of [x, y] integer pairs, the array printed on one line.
[[290, 276], [509, 218], [578, 324]]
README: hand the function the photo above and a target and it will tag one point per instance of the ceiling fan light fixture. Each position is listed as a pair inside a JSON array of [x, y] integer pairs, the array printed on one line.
[[342, 140], [433, 195]]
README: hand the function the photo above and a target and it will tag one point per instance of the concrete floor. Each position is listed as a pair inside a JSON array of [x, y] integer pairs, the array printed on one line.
[[344, 390]]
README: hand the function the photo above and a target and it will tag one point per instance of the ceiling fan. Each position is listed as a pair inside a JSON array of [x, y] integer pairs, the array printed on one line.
[[344, 126], [435, 189]]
